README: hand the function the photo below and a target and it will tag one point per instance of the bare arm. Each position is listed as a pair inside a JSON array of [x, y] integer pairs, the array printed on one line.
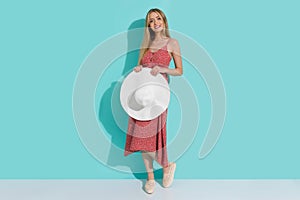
[[175, 52]]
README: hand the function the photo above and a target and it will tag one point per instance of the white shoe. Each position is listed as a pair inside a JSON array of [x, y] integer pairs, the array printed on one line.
[[169, 176], [149, 186]]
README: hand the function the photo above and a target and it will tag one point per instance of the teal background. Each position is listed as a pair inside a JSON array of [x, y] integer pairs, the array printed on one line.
[[255, 45]]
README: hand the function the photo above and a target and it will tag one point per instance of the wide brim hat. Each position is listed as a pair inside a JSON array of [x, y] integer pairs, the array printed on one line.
[[144, 96]]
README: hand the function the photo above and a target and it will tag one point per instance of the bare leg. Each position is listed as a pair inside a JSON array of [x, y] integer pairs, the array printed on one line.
[[148, 161]]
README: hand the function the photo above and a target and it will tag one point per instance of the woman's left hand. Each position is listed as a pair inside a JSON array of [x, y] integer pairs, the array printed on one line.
[[155, 70]]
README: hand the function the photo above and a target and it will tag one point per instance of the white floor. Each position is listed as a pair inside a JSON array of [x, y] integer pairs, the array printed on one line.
[[133, 190]]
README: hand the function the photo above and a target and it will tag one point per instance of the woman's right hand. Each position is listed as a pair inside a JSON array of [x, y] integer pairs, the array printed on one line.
[[138, 68]]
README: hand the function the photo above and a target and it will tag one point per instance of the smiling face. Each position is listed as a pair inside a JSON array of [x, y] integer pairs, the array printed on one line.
[[156, 22]]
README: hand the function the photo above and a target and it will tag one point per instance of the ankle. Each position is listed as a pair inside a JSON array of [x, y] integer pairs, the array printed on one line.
[[151, 176]]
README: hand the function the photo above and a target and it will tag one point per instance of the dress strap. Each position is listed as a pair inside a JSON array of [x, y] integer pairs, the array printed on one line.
[[167, 43]]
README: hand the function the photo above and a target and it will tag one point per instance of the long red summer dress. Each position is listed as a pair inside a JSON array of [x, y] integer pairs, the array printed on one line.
[[150, 136]]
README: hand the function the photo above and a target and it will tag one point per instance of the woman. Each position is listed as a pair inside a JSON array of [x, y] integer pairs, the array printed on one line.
[[157, 50]]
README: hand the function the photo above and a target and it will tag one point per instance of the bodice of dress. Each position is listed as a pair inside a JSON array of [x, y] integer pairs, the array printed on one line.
[[161, 57]]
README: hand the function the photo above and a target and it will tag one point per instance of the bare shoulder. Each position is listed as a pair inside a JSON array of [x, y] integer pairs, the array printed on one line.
[[173, 45], [173, 42]]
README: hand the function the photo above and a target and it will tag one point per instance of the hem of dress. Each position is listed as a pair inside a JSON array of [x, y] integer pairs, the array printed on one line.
[[163, 164]]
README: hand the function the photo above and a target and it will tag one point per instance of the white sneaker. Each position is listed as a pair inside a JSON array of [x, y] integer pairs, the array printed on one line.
[[169, 176], [149, 186]]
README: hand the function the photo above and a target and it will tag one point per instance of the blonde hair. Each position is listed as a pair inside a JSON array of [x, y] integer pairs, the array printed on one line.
[[149, 34]]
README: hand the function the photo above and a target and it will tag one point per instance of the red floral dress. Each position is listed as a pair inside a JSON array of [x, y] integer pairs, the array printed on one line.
[[150, 136]]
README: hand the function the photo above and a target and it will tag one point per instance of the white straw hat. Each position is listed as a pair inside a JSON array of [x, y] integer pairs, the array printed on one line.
[[144, 96]]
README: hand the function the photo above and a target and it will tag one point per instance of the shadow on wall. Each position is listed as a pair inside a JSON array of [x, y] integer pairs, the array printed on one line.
[[106, 114]]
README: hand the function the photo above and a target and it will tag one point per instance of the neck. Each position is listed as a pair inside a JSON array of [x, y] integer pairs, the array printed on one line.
[[159, 36]]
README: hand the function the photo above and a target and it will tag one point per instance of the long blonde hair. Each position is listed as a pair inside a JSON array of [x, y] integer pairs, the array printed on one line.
[[149, 34]]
